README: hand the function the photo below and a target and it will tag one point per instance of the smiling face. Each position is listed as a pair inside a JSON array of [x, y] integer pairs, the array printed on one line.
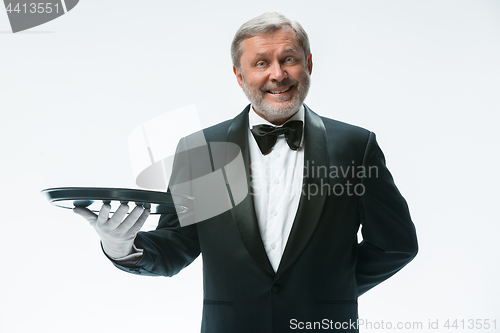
[[274, 74]]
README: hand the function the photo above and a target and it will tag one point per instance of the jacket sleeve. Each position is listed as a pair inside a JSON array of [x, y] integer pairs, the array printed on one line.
[[169, 248], [389, 236]]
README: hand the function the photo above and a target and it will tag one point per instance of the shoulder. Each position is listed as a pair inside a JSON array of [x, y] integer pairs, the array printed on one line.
[[339, 131], [217, 131], [332, 125]]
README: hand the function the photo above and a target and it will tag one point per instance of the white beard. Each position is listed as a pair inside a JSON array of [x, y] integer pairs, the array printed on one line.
[[285, 110]]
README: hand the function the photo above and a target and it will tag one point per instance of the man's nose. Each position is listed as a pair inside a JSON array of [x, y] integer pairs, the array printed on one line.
[[277, 73]]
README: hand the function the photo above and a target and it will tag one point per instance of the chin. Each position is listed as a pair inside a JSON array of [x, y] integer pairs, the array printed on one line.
[[274, 111], [278, 111]]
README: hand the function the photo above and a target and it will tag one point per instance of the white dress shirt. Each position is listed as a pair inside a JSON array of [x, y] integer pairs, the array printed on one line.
[[276, 180]]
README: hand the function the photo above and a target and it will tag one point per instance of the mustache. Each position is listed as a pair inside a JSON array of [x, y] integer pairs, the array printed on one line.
[[285, 83]]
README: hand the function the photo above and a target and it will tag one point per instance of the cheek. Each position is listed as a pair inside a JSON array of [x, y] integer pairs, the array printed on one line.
[[255, 81], [297, 74]]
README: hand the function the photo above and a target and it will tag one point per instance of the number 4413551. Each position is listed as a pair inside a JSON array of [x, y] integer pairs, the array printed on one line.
[[473, 324], [33, 8]]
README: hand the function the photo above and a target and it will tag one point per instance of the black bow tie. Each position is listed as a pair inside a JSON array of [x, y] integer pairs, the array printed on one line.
[[266, 135]]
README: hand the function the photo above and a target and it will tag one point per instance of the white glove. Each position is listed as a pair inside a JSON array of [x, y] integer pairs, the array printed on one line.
[[117, 234]]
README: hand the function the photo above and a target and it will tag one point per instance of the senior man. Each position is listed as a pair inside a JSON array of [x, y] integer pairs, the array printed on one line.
[[287, 256]]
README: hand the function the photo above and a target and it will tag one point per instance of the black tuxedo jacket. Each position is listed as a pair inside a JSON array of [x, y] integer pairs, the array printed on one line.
[[323, 269]]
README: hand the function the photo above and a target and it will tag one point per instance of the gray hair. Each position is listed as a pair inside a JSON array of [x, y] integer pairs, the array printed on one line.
[[265, 24]]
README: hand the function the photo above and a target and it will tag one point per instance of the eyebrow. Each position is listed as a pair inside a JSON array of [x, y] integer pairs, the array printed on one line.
[[287, 50]]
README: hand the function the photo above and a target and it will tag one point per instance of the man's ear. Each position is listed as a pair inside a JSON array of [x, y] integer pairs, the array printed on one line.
[[239, 77], [310, 63]]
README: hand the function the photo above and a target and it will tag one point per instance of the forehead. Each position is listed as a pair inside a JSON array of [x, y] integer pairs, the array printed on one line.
[[270, 43]]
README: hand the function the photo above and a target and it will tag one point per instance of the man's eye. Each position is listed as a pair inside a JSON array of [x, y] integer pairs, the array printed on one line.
[[290, 59], [261, 64]]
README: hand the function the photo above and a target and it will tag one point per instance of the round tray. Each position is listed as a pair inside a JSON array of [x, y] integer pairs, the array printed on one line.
[[93, 198]]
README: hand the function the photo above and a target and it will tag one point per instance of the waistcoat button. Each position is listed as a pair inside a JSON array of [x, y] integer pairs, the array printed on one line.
[[276, 288]]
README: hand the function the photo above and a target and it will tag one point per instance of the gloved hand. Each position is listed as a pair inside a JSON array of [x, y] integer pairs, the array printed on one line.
[[117, 234]]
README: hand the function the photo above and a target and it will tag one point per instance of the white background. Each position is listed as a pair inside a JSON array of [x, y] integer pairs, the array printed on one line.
[[423, 75]]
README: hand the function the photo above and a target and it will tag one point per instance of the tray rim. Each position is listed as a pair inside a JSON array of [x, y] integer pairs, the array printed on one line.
[[56, 194]]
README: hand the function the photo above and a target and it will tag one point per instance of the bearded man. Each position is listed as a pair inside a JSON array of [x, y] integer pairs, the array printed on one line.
[[286, 256]]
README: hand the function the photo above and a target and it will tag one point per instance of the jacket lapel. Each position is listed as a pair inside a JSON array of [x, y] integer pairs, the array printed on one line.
[[244, 213], [310, 206]]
